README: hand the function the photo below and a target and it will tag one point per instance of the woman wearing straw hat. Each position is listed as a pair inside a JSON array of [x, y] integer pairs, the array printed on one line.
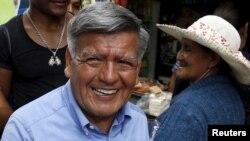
[[210, 59]]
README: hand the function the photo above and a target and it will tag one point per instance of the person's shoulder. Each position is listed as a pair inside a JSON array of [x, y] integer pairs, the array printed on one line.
[[13, 21], [40, 108], [135, 109]]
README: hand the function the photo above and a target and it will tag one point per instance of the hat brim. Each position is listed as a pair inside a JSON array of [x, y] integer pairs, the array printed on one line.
[[240, 66]]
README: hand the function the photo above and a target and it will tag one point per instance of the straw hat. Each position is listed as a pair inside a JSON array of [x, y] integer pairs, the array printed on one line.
[[218, 35]]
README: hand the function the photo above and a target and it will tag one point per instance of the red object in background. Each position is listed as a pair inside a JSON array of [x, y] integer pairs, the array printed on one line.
[[121, 2]]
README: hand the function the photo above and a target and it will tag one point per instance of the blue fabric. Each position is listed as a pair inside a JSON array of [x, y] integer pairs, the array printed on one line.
[[175, 66], [57, 117], [210, 101]]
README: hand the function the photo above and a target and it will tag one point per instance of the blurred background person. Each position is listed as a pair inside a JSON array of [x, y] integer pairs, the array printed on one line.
[[75, 6]]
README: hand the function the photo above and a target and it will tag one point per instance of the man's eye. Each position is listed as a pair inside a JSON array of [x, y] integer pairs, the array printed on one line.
[[90, 61], [93, 61], [124, 62], [126, 65]]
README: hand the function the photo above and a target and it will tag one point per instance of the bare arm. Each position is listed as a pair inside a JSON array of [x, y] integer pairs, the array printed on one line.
[[5, 108]]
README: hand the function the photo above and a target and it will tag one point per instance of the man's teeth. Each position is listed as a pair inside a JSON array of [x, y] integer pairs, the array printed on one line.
[[105, 92]]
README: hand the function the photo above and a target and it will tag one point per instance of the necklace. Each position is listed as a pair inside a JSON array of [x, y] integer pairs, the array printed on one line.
[[54, 59], [204, 75]]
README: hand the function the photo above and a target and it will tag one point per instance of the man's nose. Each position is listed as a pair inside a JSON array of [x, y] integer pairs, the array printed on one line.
[[109, 73]]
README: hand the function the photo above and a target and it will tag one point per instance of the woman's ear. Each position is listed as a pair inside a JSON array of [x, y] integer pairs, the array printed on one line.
[[68, 58], [214, 60]]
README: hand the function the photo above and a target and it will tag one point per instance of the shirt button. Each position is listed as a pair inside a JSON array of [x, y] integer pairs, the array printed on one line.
[[91, 127]]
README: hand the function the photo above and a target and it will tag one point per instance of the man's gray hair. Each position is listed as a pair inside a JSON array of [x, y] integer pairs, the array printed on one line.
[[106, 17]]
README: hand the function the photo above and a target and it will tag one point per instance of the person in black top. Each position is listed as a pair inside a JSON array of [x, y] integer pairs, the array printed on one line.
[[32, 56]]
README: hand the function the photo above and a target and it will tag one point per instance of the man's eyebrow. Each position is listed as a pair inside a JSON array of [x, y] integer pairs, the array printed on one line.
[[87, 52], [126, 58]]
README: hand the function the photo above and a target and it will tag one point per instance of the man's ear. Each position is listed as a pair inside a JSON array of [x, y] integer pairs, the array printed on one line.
[[138, 73], [68, 59]]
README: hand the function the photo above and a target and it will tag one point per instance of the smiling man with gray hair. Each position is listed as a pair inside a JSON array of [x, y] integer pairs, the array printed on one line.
[[106, 43]]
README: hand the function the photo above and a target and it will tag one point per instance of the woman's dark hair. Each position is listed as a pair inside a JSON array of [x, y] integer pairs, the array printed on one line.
[[234, 12]]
